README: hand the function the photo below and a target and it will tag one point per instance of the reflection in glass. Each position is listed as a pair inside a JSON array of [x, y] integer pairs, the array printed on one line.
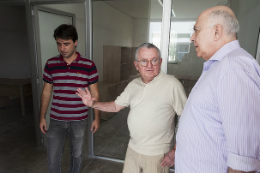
[[119, 27]]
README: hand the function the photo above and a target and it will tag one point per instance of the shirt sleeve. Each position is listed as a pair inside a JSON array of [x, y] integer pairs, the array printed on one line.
[[92, 74], [47, 74], [238, 97], [123, 99], [180, 98]]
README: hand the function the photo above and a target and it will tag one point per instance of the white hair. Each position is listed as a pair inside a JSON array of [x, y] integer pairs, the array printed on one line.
[[147, 45], [228, 21]]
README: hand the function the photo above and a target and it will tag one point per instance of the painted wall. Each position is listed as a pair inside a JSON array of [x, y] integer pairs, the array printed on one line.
[[110, 27], [247, 13], [15, 61], [141, 31]]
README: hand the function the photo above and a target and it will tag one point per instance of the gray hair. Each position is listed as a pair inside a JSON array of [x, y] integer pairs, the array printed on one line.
[[227, 20], [146, 45]]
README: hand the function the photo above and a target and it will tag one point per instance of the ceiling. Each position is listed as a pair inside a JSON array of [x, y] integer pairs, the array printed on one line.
[[152, 8]]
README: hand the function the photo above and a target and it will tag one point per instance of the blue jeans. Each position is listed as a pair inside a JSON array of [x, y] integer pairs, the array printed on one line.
[[56, 135]]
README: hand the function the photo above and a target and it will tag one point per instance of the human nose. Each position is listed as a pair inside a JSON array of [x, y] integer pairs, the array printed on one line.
[[62, 47], [192, 38], [149, 64]]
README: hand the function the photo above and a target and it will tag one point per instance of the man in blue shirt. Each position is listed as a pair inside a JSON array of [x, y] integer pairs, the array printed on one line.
[[219, 130]]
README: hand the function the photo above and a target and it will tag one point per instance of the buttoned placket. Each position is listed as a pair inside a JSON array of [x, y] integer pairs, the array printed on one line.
[[68, 69]]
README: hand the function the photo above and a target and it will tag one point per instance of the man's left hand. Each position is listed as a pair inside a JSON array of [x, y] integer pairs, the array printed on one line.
[[169, 159], [95, 125]]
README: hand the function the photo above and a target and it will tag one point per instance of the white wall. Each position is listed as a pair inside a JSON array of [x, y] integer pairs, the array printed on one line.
[[79, 10], [247, 13], [15, 61], [141, 31], [110, 27]]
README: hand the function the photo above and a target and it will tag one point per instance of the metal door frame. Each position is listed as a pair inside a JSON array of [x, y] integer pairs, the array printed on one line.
[[166, 23]]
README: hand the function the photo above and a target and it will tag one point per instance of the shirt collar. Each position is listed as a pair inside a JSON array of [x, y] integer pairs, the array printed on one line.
[[221, 53], [224, 50], [77, 59]]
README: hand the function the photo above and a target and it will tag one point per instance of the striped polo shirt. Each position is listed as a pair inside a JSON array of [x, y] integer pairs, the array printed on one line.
[[66, 79]]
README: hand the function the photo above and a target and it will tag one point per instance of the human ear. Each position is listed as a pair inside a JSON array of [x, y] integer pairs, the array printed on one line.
[[136, 65], [218, 31]]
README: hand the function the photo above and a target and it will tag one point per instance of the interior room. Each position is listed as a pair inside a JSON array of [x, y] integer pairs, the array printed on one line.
[[118, 28]]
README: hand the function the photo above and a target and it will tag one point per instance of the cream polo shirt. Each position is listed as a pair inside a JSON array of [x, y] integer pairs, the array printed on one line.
[[152, 110]]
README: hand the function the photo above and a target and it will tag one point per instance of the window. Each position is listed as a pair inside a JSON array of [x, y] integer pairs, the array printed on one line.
[[179, 38]]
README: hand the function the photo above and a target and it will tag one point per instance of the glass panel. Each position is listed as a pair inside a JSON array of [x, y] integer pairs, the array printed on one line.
[[119, 27], [182, 61]]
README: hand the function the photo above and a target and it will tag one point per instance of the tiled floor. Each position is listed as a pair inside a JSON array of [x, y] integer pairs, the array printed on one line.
[[18, 153], [113, 132]]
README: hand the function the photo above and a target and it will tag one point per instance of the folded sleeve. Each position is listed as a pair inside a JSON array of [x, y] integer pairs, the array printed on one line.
[[47, 74], [246, 164], [92, 74], [238, 94], [179, 99], [123, 98]]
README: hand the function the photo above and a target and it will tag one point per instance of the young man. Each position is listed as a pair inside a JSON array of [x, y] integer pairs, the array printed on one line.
[[64, 74], [154, 99]]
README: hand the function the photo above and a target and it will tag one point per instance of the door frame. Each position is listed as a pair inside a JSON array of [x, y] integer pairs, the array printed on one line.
[[166, 23], [40, 83]]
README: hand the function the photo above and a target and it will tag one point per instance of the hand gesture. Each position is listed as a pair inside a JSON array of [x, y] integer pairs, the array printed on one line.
[[86, 97]]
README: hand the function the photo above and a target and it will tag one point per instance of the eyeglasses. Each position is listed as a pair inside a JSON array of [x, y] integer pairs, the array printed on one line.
[[144, 62]]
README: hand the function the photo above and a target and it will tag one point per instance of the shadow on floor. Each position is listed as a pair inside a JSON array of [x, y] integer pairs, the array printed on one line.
[[19, 154]]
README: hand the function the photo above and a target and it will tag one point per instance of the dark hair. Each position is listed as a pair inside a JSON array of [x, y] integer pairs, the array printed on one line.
[[66, 32], [147, 45]]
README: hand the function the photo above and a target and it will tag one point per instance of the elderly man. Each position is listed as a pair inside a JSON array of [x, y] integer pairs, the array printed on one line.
[[219, 128], [153, 99]]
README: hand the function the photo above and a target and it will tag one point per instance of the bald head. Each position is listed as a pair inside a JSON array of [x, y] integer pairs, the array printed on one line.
[[223, 16], [214, 28]]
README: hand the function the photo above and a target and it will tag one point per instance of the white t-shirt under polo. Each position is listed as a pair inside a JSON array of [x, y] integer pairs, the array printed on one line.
[[152, 110]]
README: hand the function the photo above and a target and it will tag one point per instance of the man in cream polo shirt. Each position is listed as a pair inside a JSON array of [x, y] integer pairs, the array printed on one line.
[[154, 99]]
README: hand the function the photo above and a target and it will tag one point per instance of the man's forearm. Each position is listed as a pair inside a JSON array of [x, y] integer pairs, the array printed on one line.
[[105, 106], [97, 114], [96, 111], [230, 170], [45, 100]]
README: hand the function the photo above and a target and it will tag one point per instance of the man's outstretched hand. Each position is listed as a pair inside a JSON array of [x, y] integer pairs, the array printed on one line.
[[86, 97]]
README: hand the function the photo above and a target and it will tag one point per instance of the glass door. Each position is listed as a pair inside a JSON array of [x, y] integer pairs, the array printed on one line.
[[117, 32]]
